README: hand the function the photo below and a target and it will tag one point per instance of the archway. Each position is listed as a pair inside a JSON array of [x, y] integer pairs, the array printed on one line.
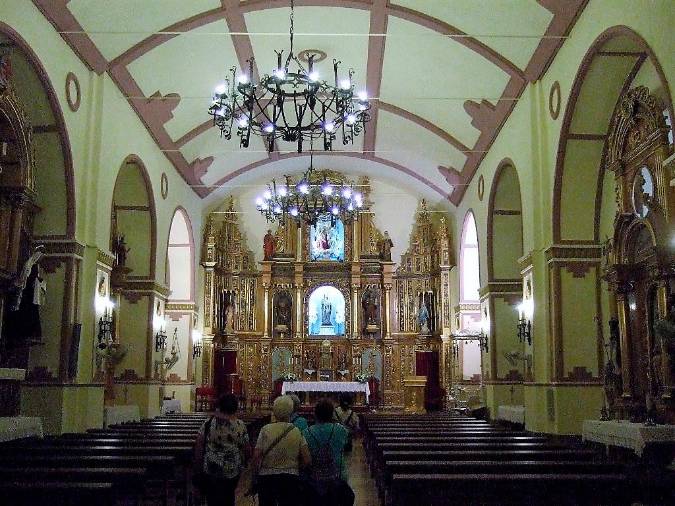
[[326, 312], [38, 207], [585, 207]]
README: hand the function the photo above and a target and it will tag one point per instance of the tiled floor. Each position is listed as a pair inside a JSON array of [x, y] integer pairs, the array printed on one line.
[[359, 478]]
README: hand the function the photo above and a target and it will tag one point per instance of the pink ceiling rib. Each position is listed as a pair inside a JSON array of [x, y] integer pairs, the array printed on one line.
[[284, 156], [378, 24], [57, 13]]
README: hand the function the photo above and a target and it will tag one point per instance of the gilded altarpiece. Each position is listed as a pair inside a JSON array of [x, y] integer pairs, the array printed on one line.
[[639, 264], [277, 333]]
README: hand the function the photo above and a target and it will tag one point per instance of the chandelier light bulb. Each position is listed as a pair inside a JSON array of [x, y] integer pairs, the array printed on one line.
[[243, 121], [294, 211], [269, 128], [259, 202], [267, 195], [350, 207], [351, 119], [314, 76], [345, 84], [335, 210], [221, 89], [329, 126], [280, 74], [221, 112], [363, 96], [327, 189], [303, 188], [347, 193], [283, 191], [277, 209], [242, 79]]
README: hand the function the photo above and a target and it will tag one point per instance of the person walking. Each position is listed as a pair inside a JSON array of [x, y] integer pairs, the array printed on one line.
[[326, 441], [226, 450], [279, 455]]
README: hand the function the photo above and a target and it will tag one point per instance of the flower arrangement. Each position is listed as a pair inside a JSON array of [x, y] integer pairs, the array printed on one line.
[[361, 377], [289, 376]]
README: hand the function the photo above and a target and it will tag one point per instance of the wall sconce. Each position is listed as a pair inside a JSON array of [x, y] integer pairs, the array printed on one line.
[[105, 329], [525, 311], [160, 336], [196, 344], [464, 335]]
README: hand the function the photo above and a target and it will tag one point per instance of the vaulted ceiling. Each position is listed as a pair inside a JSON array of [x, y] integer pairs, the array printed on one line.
[[443, 75]]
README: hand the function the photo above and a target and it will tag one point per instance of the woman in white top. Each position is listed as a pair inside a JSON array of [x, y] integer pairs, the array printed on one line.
[[279, 454]]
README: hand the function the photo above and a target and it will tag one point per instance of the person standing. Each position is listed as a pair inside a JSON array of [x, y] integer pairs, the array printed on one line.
[[326, 441], [299, 421], [344, 414], [225, 452], [279, 454]]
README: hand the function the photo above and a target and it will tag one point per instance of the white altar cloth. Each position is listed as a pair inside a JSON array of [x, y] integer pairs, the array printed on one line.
[[113, 415], [17, 427], [513, 414], [635, 436], [325, 386], [171, 406]]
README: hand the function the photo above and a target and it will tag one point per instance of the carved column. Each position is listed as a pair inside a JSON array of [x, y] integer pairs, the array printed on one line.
[[387, 283]]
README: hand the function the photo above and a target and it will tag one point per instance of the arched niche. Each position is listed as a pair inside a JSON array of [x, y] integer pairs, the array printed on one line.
[[505, 225], [327, 312], [282, 314], [180, 270], [133, 217], [583, 195]]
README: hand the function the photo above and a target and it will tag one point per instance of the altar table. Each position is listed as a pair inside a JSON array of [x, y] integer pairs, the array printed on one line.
[[325, 386], [513, 414], [114, 415], [17, 427], [635, 436]]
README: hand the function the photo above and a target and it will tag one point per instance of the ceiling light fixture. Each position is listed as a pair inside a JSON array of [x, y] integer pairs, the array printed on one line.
[[290, 106]]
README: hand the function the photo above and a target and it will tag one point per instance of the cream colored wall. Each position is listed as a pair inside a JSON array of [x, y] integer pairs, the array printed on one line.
[[102, 133], [530, 138]]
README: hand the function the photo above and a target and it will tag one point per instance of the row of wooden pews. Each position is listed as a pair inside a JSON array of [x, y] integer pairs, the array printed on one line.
[[440, 459], [138, 463]]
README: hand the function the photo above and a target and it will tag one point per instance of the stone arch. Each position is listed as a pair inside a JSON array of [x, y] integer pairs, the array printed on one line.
[[504, 224], [180, 255], [133, 215], [607, 71]]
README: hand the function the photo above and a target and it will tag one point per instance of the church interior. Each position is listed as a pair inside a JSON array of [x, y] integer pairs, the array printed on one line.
[[254, 198]]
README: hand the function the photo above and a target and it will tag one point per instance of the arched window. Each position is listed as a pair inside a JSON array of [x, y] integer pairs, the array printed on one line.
[[180, 258], [469, 261]]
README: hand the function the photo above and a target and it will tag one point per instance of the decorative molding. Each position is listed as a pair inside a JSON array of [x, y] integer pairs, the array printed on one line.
[[554, 100], [180, 307], [579, 269], [573, 252], [143, 287], [580, 374], [504, 287], [64, 248], [72, 81], [128, 375], [105, 258], [514, 375]]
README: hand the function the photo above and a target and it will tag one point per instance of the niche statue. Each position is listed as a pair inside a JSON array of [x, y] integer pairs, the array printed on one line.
[[385, 244]]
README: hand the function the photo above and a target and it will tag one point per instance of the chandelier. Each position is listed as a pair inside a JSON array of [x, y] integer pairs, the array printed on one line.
[[290, 106], [309, 200]]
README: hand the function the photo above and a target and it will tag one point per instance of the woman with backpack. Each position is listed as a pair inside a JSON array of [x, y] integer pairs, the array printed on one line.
[[224, 439], [326, 441]]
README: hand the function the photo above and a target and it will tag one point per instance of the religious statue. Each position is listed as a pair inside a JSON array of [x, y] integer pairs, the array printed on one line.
[[269, 246], [612, 374], [282, 313], [326, 311], [423, 318], [120, 251], [370, 313], [23, 318], [385, 246]]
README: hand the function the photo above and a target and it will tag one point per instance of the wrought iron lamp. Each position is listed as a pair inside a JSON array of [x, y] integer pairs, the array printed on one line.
[[160, 340], [466, 335], [196, 344], [105, 329], [292, 106], [524, 321], [307, 200]]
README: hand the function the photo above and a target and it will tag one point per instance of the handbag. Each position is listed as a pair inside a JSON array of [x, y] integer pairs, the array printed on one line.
[[253, 490], [200, 478]]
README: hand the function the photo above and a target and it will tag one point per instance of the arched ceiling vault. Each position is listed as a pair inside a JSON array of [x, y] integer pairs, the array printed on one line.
[[443, 76]]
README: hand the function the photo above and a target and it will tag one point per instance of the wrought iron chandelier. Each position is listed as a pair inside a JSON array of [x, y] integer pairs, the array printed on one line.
[[310, 199], [290, 106]]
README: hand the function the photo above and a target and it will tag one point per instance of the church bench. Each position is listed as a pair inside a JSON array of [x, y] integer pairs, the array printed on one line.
[[509, 488], [58, 493], [501, 455], [123, 435], [119, 441]]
